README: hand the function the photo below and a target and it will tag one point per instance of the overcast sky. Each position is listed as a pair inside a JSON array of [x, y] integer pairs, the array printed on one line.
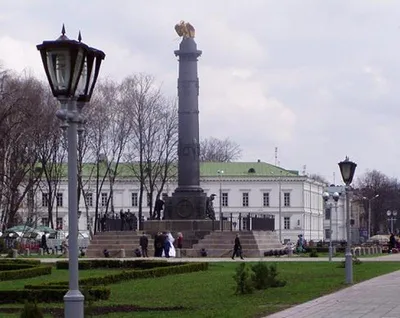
[[319, 79]]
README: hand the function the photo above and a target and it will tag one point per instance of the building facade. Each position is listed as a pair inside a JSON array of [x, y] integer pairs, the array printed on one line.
[[294, 201]]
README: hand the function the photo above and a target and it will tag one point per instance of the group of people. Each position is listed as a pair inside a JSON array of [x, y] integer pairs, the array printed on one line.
[[163, 245]]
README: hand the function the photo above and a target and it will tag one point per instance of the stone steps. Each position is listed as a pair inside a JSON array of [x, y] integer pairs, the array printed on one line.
[[114, 242], [220, 244]]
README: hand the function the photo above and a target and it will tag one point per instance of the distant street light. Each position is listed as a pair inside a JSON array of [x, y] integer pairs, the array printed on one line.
[[72, 69], [326, 196], [347, 169], [391, 218], [369, 212], [221, 222]]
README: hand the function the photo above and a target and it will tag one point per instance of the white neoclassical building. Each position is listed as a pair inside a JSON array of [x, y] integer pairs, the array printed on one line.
[[242, 188]]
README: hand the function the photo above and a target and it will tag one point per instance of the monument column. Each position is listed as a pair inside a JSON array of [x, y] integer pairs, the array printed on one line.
[[188, 92], [189, 200]]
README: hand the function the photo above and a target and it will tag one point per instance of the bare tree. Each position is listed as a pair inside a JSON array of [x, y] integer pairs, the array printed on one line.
[[219, 150], [21, 135], [318, 178], [51, 154], [372, 183]]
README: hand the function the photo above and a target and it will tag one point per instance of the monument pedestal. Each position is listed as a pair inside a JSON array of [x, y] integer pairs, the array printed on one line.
[[186, 206], [155, 226]]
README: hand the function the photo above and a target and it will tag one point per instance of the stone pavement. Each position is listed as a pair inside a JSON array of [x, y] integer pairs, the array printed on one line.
[[374, 298]]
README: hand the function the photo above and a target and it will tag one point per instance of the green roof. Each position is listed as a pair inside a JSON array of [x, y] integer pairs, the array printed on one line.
[[241, 169], [207, 169]]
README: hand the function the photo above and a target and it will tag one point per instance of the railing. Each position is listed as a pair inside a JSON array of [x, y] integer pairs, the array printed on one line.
[[231, 222]]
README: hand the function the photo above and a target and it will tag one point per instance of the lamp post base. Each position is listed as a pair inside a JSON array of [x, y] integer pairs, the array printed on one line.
[[349, 267], [330, 251], [73, 304]]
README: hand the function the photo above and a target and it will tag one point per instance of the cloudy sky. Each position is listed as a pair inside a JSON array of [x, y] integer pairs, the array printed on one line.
[[319, 79]]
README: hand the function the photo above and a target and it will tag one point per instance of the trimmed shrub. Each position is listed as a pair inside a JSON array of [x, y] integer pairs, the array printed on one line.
[[266, 276], [313, 253], [244, 280], [92, 264], [11, 266], [31, 310], [19, 261], [25, 273], [134, 274], [48, 295]]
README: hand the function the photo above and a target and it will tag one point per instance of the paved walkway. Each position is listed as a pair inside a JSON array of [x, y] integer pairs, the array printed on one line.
[[374, 298]]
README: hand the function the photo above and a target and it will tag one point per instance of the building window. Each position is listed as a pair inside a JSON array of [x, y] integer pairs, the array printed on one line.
[[286, 223], [328, 212], [59, 223], [59, 199], [135, 199], [224, 199], [104, 198], [45, 199], [286, 199], [45, 221], [89, 199], [245, 199], [327, 234], [266, 199]]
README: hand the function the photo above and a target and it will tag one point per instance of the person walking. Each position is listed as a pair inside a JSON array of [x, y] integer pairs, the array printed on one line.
[[392, 242], [237, 248], [44, 243], [144, 242], [179, 245]]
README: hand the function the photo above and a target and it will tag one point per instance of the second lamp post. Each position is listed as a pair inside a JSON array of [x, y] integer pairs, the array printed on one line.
[[335, 197], [347, 169]]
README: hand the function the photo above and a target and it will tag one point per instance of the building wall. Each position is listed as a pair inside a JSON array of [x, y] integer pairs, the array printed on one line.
[[303, 214]]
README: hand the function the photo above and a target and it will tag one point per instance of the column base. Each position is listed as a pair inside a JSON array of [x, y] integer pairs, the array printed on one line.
[[74, 304]]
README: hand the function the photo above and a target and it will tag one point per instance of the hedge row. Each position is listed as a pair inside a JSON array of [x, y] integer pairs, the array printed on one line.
[[25, 273], [47, 295], [134, 274], [11, 266], [339, 249], [92, 264], [19, 261]]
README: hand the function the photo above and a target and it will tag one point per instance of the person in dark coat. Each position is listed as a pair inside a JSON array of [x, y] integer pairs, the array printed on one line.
[[167, 245], [44, 243], [237, 248], [144, 242], [158, 244], [392, 242]]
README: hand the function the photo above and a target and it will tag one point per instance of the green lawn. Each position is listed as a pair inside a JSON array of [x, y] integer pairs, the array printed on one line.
[[211, 293]]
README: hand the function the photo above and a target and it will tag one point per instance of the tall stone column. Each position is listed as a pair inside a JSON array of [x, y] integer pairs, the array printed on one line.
[[189, 200]]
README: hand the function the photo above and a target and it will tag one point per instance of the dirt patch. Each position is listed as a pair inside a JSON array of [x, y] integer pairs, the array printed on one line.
[[98, 310]]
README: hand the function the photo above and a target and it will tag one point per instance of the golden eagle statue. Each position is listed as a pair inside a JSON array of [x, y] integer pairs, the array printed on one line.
[[185, 29]]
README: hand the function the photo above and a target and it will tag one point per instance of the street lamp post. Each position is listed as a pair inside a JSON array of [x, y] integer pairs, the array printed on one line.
[[391, 218], [326, 196], [221, 222], [347, 169], [369, 212], [72, 69]]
